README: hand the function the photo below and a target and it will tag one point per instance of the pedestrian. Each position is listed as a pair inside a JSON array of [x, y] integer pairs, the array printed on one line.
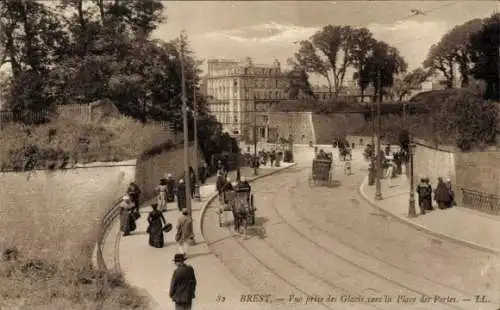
[[442, 194], [428, 197], [184, 232], [127, 221], [272, 157], [183, 284], [451, 193], [389, 173], [181, 195], [161, 192], [134, 193], [192, 178], [422, 192], [170, 187], [203, 172], [156, 221]]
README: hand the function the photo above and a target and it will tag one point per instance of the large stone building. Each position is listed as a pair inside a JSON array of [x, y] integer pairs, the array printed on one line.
[[240, 93]]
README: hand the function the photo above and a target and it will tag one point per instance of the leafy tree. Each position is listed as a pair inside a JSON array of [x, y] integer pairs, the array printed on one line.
[[451, 53], [362, 49], [328, 54], [412, 80], [484, 48], [382, 65], [298, 82]]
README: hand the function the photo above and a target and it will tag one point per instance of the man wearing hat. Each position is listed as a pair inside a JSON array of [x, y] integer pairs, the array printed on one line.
[[183, 284]]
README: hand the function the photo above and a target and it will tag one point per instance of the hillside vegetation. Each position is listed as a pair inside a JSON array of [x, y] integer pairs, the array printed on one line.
[[64, 142]]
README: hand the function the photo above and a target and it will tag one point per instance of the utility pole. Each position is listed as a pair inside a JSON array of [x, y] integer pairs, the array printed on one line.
[[378, 192], [255, 169], [196, 160], [185, 129]]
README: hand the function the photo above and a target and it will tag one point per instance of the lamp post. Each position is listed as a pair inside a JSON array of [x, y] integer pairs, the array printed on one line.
[[197, 195], [411, 209], [185, 129], [378, 192], [255, 169]]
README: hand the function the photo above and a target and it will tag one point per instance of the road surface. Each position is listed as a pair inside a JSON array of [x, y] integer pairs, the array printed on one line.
[[317, 247]]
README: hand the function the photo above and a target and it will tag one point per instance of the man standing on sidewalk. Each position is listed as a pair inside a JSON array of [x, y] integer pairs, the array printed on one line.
[[183, 284], [184, 232]]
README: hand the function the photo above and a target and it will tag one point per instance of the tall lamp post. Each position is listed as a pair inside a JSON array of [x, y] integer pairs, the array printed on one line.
[[255, 169], [378, 191], [185, 130], [411, 208], [197, 195]]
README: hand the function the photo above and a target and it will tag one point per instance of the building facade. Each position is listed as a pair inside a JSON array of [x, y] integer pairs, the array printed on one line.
[[240, 93]]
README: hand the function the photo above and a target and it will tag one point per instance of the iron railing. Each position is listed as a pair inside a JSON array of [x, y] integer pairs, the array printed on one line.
[[480, 201]]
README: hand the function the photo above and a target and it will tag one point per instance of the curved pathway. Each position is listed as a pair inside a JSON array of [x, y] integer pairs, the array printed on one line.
[[332, 246]]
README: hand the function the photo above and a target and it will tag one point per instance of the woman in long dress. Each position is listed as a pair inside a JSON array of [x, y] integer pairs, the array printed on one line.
[[162, 190], [127, 222], [156, 222]]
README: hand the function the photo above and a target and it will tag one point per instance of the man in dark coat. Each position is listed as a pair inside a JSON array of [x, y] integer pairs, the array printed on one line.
[[183, 284], [423, 192], [442, 194]]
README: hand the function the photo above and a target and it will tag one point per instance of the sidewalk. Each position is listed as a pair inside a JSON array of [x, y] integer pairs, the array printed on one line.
[[151, 269], [459, 224]]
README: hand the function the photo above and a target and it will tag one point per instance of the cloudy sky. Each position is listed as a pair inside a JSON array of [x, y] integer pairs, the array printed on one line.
[[265, 30]]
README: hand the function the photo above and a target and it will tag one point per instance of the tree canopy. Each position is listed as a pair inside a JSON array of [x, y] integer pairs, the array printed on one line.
[[333, 50], [81, 51]]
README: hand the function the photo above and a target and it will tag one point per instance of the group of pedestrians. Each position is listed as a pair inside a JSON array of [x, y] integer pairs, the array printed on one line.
[[443, 194], [183, 283]]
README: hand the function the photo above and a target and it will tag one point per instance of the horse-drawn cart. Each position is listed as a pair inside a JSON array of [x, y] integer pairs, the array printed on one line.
[[241, 205], [321, 172]]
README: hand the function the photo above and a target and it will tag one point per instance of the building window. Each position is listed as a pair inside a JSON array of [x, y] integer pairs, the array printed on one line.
[[270, 95], [246, 71], [235, 83], [276, 83]]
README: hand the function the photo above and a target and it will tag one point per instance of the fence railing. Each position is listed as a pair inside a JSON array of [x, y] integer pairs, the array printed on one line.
[[483, 202]]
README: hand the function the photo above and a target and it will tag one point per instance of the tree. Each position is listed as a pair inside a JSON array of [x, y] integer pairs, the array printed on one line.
[[382, 65], [362, 49], [451, 53], [412, 80], [33, 39], [484, 47], [328, 53], [298, 82]]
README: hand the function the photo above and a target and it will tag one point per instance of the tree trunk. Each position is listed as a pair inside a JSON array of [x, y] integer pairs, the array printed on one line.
[[28, 38], [101, 11], [329, 85]]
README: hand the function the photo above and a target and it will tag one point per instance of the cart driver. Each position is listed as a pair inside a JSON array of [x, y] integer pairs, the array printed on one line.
[[243, 186], [322, 155]]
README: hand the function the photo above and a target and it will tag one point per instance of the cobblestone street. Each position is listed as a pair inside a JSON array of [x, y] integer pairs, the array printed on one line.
[[317, 241]]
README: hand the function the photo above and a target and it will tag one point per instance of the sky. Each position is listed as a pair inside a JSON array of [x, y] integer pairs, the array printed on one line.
[[267, 30]]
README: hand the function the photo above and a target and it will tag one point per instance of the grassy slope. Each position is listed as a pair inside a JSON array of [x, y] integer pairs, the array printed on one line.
[[44, 277]]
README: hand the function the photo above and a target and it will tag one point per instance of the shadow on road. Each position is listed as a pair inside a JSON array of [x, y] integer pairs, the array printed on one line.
[[258, 230]]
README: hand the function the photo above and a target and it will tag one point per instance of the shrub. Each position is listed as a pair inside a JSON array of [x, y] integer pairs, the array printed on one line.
[[469, 120], [70, 284]]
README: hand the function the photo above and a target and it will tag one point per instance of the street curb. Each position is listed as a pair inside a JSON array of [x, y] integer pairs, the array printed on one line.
[[424, 228], [209, 200]]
